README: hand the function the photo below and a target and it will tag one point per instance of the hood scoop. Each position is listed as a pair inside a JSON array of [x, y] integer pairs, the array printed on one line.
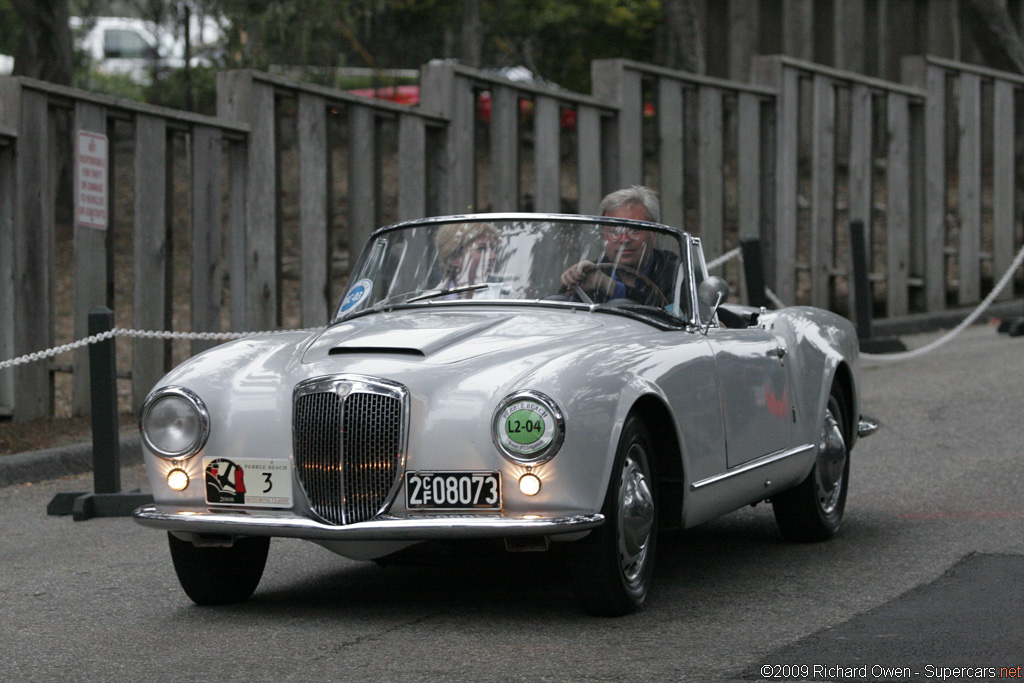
[[357, 350], [412, 336]]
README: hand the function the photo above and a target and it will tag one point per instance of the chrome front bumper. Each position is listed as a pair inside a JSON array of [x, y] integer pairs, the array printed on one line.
[[422, 527]]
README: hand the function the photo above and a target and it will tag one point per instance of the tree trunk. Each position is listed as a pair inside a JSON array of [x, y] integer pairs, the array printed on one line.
[[994, 33], [44, 50], [684, 49], [471, 38]]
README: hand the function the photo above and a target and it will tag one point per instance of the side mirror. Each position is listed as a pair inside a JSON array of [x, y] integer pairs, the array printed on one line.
[[712, 292]]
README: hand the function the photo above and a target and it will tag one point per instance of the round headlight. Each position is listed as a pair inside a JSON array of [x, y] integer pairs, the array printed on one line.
[[528, 428], [174, 423]]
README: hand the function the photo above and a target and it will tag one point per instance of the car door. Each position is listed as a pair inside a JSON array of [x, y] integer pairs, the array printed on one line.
[[757, 396], [754, 382]]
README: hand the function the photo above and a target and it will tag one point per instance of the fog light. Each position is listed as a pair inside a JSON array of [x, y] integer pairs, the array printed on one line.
[[177, 479], [529, 484]]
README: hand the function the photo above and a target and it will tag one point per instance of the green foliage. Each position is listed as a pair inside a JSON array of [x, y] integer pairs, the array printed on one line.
[[169, 87], [10, 28], [555, 39], [116, 85]]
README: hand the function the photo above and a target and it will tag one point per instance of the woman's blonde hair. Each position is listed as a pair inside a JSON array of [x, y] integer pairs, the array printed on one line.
[[452, 238]]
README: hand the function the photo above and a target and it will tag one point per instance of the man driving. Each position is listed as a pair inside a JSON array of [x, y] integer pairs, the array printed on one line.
[[631, 268]]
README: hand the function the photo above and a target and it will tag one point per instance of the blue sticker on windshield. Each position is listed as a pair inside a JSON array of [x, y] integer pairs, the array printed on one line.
[[360, 290]]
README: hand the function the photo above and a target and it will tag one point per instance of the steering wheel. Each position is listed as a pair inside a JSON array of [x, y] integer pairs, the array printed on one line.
[[652, 288]]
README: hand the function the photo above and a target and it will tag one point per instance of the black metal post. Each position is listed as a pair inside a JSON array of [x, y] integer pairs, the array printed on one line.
[[753, 271], [861, 285], [107, 500], [862, 296], [106, 444]]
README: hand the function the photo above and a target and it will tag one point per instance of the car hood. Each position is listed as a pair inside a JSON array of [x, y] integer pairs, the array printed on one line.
[[446, 336]]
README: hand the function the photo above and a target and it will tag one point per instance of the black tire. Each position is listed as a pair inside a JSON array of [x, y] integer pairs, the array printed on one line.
[[813, 510], [614, 563], [219, 576]]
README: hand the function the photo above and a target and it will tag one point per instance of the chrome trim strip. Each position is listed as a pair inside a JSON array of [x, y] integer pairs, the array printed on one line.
[[752, 465], [285, 523]]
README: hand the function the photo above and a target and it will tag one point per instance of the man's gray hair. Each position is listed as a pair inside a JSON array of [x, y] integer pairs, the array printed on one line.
[[637, 195]]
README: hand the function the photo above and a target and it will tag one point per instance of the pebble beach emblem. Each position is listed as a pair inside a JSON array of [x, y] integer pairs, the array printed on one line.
[[527, 427]]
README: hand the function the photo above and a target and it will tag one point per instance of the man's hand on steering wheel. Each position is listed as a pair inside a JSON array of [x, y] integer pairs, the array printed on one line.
[[588, 276]]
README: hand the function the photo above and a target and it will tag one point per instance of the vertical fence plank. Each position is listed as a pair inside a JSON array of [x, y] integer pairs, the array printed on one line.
[[504, 149], [618, 85], [897, 221], [32, 262], [590, 151], [709, 159], [92, 272], [314, 210], [547, 155], [935, 189], [7, 200], [242, 98], [861, 168], [238, 165], [1003, 174], [412, 169], [207, 247], [823, 186], [749, 165], [970, 188], [670, 156], [152, 250], [363, 178], [461, 143], [786, 162]]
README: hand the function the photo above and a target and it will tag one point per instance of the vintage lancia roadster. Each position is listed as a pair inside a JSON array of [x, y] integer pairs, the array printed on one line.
[[547, 380]]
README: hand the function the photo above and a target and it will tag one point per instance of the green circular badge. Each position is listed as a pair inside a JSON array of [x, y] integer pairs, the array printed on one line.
[[525, 426], [528, 428]]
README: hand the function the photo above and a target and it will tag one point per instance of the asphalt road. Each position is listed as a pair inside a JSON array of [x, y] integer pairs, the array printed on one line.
[[927, 575]]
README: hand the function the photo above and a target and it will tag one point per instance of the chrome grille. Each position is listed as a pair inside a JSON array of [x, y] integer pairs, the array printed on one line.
[[349, 442]]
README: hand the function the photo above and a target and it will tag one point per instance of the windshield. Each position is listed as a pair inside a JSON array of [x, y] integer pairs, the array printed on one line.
[[628, 265]]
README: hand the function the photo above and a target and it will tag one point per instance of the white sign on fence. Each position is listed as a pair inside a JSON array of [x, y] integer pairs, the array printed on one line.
[[91, 180]]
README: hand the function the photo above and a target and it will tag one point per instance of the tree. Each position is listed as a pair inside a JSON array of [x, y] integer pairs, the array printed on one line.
[[44, 49], [995, 35], [684, 48]]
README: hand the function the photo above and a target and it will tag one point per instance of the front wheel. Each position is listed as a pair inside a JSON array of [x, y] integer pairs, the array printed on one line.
[[813, 510], [219, 576], [616, 560]]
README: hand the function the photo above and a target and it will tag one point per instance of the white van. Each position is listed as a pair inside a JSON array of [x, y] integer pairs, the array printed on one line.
[[121, 45]]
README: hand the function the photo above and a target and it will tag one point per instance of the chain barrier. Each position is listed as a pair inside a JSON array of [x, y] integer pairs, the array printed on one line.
[[142, 334], [906, 355], [714, 263]]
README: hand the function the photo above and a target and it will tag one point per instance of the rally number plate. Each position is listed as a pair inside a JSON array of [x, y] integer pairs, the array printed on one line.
[[453, 490], [244, 481]]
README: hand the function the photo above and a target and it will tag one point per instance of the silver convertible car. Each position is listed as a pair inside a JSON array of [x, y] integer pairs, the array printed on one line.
[[546, 380]]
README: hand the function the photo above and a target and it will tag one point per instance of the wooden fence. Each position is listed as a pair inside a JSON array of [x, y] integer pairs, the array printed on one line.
[[284, 186], [40, 111]]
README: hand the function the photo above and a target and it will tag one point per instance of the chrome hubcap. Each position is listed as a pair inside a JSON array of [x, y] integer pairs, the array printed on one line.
[[636, 515], [831, 463]]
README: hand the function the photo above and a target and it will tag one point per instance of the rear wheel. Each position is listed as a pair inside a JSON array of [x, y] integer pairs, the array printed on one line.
[[813, 510], [219, 576], [616, 560]]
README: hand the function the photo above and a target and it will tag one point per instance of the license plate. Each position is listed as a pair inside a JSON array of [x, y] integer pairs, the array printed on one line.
[[453, 490], [244, 481]]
